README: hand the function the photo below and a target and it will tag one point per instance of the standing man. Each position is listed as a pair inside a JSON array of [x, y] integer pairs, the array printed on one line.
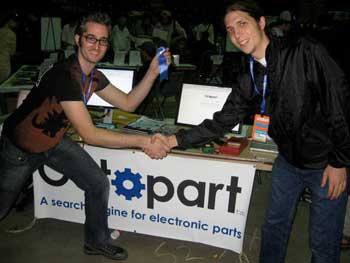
[[120, 39], [304, 95], [169, 29], [8, 43], [35, 133], [67, 36]]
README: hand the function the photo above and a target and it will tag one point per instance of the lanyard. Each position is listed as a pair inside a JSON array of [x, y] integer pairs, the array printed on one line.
[[86, 94], [263, 102]]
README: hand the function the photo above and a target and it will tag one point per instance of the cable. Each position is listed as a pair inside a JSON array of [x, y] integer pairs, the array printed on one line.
[[16, 231]]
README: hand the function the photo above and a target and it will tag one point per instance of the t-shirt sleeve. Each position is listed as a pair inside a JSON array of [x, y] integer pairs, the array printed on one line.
[[102, 81]]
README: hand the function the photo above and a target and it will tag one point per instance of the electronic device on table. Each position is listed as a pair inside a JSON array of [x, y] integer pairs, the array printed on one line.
[[122, 79], [200, 102]]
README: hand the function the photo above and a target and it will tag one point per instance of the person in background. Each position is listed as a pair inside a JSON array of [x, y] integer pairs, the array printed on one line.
[[203, 46], [67, 34], [169, 29], [303, 94], [8, 42], [135, 26], [283, 25], [34, 134], [147, 51], [202, 51], [147, 25], [204, 27], [121, 38]]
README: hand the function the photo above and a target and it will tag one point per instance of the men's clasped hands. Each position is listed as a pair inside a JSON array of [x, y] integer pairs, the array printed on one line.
[[159, 146]]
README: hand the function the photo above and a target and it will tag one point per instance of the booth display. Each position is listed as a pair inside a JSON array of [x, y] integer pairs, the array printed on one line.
[[189, 195], [183, 197]]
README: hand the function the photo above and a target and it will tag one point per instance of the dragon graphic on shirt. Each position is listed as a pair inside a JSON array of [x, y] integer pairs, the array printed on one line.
[[52, 123]]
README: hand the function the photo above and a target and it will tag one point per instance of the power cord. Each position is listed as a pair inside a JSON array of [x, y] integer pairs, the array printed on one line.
[[17, 231]]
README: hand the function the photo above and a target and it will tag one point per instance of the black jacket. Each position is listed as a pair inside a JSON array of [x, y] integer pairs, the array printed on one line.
[[308, 102]]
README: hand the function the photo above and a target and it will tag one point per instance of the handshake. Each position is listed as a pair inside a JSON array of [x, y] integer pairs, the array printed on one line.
[[158, 145]]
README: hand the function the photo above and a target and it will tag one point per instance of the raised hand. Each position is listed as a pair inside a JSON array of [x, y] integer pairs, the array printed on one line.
[[157, 147], [154, 64]]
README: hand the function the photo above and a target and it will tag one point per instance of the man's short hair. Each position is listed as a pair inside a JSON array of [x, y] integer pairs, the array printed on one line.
[[149, 47], [96, 17]]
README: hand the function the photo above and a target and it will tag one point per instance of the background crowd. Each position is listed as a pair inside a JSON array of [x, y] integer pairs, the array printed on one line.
[[189, 30]]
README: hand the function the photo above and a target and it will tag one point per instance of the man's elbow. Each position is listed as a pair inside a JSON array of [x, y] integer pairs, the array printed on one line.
[[89, 137], [129, 108]]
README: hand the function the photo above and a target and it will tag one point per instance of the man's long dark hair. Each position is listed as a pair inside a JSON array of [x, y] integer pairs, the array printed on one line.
[[249, 6]]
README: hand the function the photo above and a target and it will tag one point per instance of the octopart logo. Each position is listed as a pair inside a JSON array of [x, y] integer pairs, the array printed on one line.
[[129, 185], [121, 189]]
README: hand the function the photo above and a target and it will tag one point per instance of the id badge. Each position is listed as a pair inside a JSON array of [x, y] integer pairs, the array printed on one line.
[[260, 128]]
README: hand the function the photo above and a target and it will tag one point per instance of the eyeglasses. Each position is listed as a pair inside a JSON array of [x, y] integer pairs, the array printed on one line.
[[93, 40]]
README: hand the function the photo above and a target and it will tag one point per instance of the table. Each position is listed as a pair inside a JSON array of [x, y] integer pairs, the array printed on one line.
[[179, 67], [178, 197], [24, 78]]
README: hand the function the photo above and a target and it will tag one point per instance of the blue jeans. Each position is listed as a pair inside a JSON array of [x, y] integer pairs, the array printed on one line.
[[67, 158], [326, 216]]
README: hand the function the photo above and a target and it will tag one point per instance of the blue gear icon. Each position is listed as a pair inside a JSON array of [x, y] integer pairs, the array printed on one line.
[[127, 175]]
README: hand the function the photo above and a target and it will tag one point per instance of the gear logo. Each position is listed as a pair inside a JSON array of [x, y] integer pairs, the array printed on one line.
[[135, 179]]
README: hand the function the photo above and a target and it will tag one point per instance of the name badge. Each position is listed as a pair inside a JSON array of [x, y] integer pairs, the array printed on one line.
[[260, 128]]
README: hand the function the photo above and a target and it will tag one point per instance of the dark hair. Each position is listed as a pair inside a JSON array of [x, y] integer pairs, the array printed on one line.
[[249, 6], [97, 17], [149, 47]]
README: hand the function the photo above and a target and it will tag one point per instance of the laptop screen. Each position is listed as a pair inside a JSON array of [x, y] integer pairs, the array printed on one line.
[[200, 102]]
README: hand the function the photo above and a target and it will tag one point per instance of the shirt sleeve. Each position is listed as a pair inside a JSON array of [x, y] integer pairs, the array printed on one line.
[[236, 107], [102, 81], [334, 99]]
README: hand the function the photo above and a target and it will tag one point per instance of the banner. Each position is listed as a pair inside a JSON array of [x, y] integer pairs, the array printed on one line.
[[179, 197], [50, 33]]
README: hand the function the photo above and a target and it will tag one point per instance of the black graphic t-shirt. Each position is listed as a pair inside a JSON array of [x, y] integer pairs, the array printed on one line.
[[40, 122]]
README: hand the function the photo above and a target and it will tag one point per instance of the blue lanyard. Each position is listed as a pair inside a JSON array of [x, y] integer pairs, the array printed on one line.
[[86, 94], [263, 102]]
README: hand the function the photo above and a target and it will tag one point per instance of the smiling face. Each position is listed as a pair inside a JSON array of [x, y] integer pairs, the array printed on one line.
[[246, 33], [89, 54]]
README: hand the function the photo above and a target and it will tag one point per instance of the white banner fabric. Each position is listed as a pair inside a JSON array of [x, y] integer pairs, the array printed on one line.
[[180, 197]]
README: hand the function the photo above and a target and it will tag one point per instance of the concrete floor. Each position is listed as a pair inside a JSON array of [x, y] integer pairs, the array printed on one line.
[[51, 240]]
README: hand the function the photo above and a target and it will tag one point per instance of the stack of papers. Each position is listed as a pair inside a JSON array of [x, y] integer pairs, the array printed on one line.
[[144, 125], [268, 146]]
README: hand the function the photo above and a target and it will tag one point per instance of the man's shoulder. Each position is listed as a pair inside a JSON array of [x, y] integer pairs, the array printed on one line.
[[59, 72], [298, 42], [68, 65]]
